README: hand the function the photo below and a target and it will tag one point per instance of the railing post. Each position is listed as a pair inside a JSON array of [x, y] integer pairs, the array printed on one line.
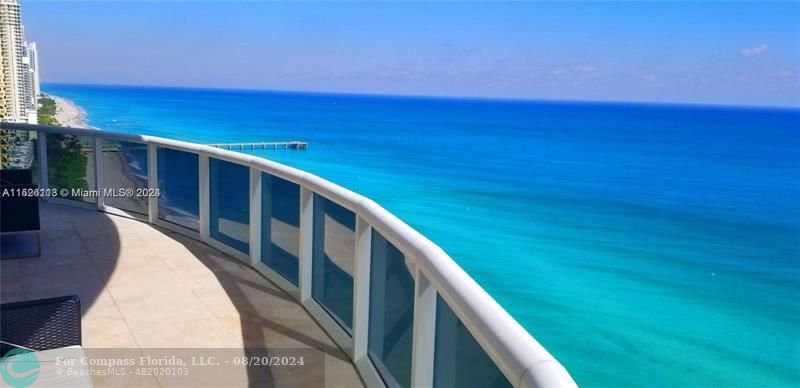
[[98, 173], [152, 182], [424, 332], [255, 216], [361, 275], [42, 151], [205, 227], [306, 242]]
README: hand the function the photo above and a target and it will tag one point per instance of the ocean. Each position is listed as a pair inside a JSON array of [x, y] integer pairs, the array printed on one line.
[[642, 245]]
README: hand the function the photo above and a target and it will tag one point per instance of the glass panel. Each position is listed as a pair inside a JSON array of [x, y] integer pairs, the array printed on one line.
[[179, 187], [391, 312], [125, 171], [19, 151], [19, 171], [70, 165], [332, 261], [280, 229], [459, 361], [229, 197]]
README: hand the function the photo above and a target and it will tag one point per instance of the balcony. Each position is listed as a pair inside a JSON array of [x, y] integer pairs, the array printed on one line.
[[256, 256], [144, 287]]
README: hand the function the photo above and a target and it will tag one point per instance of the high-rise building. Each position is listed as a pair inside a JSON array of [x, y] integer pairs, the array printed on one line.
[[20, 67], [13, 106], [20, 83], [33, 53], [27, 89]]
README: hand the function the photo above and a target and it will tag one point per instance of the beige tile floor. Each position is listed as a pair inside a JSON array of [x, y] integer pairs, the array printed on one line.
[[143, 287]]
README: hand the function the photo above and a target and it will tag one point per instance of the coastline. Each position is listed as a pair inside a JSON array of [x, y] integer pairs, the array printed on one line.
[[561, 166], [69, 114]]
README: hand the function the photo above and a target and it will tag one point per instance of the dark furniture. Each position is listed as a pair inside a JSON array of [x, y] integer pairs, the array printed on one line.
[[41, 324], [19, 215], [16, 176]]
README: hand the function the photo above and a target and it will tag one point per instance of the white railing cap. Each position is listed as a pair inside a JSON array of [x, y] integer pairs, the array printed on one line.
[[518, 355]]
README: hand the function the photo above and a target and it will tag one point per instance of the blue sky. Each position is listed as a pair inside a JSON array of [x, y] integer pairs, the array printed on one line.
[[743, 53]]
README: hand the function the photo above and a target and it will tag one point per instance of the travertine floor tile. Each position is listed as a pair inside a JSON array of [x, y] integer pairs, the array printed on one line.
[[205, 333], [144, 287]]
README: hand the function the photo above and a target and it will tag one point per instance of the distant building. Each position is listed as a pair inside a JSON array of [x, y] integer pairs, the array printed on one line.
[[33, 53], [19, 91], [13, 106], [19, 96], [28, 90]]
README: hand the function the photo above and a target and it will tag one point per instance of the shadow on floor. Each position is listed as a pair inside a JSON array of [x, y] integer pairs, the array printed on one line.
[[143, 287]]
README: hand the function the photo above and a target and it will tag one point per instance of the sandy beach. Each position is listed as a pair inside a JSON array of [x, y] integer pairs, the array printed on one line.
[[116, 174], [68, 114]]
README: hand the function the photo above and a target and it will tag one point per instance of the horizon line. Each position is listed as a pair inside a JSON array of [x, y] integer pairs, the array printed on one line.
[[445, 97]]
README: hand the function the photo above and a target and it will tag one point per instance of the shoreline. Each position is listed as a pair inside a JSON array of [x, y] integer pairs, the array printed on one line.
[[69, 114]]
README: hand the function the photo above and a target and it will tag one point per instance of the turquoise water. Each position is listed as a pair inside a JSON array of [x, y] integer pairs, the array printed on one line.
[[642, 245]]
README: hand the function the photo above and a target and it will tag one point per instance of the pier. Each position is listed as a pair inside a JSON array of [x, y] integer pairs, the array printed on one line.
[[288, 145]]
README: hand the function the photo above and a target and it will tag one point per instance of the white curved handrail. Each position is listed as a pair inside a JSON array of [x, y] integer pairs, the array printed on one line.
[[524, 361]]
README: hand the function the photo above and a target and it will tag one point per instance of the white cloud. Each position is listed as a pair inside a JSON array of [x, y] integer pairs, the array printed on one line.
[[783, 73], [751, 51], [647, 77], [584, 68], [576, 69]]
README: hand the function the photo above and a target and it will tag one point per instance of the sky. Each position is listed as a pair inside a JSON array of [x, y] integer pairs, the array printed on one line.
[[730, 53]]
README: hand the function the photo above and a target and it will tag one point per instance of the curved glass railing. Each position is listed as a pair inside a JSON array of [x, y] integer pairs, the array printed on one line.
[[399, 306]]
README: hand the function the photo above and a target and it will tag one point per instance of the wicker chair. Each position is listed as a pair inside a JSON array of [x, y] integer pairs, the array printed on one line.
[[41, 324]]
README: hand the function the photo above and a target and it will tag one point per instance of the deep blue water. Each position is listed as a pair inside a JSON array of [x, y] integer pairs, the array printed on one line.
[[642, 245]]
